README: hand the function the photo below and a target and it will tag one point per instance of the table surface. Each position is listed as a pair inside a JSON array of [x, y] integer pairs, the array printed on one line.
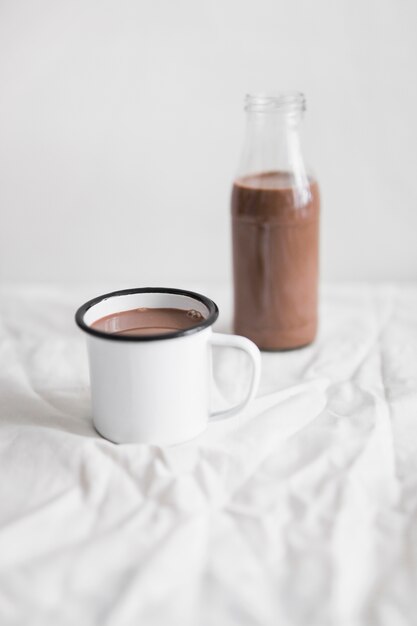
[[301, 511]]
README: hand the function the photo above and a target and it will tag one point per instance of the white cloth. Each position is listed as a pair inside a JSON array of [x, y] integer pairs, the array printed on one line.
[[302, 511]]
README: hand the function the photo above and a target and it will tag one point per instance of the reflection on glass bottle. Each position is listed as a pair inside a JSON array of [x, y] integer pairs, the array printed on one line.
[[275, 213]]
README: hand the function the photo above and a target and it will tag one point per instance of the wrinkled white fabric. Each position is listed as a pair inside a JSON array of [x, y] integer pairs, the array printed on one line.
[[301, 511]]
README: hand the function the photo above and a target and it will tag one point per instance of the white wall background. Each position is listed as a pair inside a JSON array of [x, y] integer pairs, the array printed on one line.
[[121, 124]]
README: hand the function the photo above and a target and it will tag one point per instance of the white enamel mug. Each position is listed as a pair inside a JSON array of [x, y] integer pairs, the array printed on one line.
[[156, 388]]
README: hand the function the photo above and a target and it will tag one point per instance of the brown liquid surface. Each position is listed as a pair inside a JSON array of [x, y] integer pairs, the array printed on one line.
[[275, 260], [148, 321]]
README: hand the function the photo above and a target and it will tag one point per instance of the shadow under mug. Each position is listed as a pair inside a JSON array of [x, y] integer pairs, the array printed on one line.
[[156, 388]]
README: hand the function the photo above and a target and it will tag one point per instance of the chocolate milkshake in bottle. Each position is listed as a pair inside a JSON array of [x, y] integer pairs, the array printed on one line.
[[275, 227]]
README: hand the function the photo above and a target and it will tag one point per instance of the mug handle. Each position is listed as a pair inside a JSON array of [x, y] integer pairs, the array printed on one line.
[[241, 343]]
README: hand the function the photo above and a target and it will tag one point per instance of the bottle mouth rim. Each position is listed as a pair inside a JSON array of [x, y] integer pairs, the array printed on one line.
[[290, 102]]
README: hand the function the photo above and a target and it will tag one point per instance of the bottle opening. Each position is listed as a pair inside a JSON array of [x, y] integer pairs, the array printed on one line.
[[291, 102]]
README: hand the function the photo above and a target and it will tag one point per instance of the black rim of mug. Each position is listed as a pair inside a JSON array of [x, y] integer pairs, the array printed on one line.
[[208, 321]]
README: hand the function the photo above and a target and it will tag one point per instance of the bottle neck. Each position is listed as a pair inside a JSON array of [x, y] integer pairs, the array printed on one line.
[[273, 144]]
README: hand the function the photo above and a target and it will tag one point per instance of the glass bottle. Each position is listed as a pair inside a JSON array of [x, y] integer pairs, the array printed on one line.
[[275, 227]]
